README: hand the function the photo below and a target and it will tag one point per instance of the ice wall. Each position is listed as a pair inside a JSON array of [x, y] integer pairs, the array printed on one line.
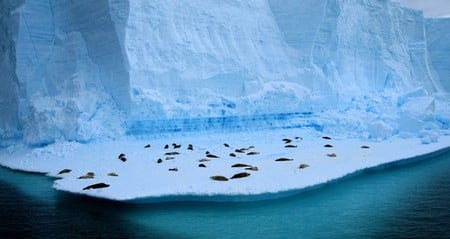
[[82, 70], [9, 90], [438, 35], [358, 46], [196, 59], [70, 69]]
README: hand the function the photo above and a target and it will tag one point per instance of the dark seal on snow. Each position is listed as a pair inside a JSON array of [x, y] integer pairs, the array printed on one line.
[[240, 175], [88, 175], [65, 171], [283, 159], [97, 185], [303, 165], [252, 153], [218, 178], [240, 165]]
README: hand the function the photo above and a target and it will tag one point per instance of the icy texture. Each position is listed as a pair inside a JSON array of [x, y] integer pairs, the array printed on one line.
[[9, 90], [439, 48], [85, 70], [142, 179]]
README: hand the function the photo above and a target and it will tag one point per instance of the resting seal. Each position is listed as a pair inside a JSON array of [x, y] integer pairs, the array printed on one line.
[[240, 175], [287, 141], [303, 165], [122, 157], [171, 153], [252, 153], [283, 159], [218, 178], [97, 185], [212, 156], [65, 171], [253, 168], [240, 165], [87, 176]]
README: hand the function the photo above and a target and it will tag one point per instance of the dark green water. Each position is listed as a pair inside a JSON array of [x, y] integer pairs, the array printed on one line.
[[409, 201]]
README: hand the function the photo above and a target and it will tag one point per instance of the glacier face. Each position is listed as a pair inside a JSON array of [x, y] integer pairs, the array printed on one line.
[[438, 37], [82, 70]]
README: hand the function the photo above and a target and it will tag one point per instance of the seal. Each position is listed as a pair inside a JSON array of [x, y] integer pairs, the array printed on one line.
[[232, 155], [240, 175], [176, 146], [170, 158], [159, 160], [122, 157], [252, 153], [239, 151], [97, 185], [287, 141], [253, 168], [211, 156], [326, 137], [190, 147], [219, 178], [202, 165], [283, 159], [240, 165], [173, 169], [328, 146], [172, 153], [290, 146], [226, 145], [204, 160], [332, 155], [303, 165], [87, 176], [147, 146], [166, 146], [65, 171], [365, 147], [113, 174]]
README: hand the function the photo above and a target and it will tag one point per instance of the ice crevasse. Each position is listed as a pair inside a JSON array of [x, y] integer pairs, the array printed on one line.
[[86, 70]]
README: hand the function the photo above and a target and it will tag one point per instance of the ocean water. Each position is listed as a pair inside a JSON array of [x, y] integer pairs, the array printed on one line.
[[408, 201]]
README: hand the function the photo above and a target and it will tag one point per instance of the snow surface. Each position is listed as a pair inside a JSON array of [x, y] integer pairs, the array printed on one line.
[[141, 179], [83, 81]]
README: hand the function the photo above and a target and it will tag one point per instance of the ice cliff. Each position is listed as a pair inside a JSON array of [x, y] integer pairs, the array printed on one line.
[[82, 70]]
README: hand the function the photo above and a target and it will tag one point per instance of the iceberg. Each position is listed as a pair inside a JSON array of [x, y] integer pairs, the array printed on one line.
[[83, 74]]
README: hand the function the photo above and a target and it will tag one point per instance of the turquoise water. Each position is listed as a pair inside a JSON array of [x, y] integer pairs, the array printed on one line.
[[409, 201]]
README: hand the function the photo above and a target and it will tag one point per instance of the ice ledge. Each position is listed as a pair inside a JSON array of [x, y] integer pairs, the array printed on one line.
[[142, 180]]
